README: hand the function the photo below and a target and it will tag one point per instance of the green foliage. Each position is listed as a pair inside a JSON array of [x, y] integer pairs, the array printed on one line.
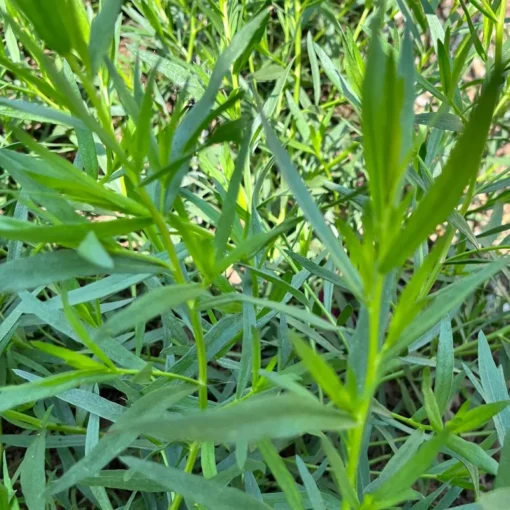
[[254, 255]]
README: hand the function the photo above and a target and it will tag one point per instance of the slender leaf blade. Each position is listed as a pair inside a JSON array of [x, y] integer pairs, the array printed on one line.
[[198, 489]]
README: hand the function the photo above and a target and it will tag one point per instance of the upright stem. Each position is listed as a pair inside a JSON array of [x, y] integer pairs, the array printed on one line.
[[194, 314], [355, 438], [201, 356], [192, 458], [360, 23]]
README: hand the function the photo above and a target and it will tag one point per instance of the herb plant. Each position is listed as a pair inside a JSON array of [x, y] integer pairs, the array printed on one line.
[[254, 255]]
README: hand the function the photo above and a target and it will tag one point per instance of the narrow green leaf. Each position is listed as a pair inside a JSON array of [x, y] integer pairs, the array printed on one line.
[[81, 331], [353, 62], [124, 479], [151, 305], [274, 98], [280, 283], [4, 496], [402, 457], [19, 230], [101, 32], [228, 212], [56, 23], [46, 268], [251, 420], [310, 485], [495, 500], [82, 399], [247, 354], [411, 302], [87, 154], [444, 365], [255, 39], [494, 385], [56, 173], [282, 475], [72, 358], [435, 26], [208, 460], [231, 131], [253, 245], [256, 356], [178, 74], [407, 74], [86, 157], [443, 302], [503, 476], [485, 8], [312, 212], [299, 117], [391, 491], [32, 111], [198, 489], [113, 443], [446, 190], [472, 452], [336, 78], [13, 396], [445, 72], [92, 438], [477, 417], [316, 79], [8, 485], [94, 252], [429, 401], [383, 102], [319, 271], [270, 72], [339, 472], [474, 34], [186, 134], [287, 382], [292, 311], [143, 136], [439, 120], [33, 474], [323, 374]]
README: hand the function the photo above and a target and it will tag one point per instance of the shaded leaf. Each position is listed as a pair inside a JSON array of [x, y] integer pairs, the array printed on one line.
[[252, 420], [151, 305], [113, 443], [281, 473], [33, 475], [196, 488]]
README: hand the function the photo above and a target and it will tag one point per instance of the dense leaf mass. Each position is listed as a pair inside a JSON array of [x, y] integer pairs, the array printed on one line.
[[254, 255]]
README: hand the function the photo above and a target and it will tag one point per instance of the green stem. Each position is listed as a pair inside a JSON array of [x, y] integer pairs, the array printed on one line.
[[355, 438], [194, 314], [360, 23], [466, 254], [190, 463], [159, 373], [201, 356], [35, 422]]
